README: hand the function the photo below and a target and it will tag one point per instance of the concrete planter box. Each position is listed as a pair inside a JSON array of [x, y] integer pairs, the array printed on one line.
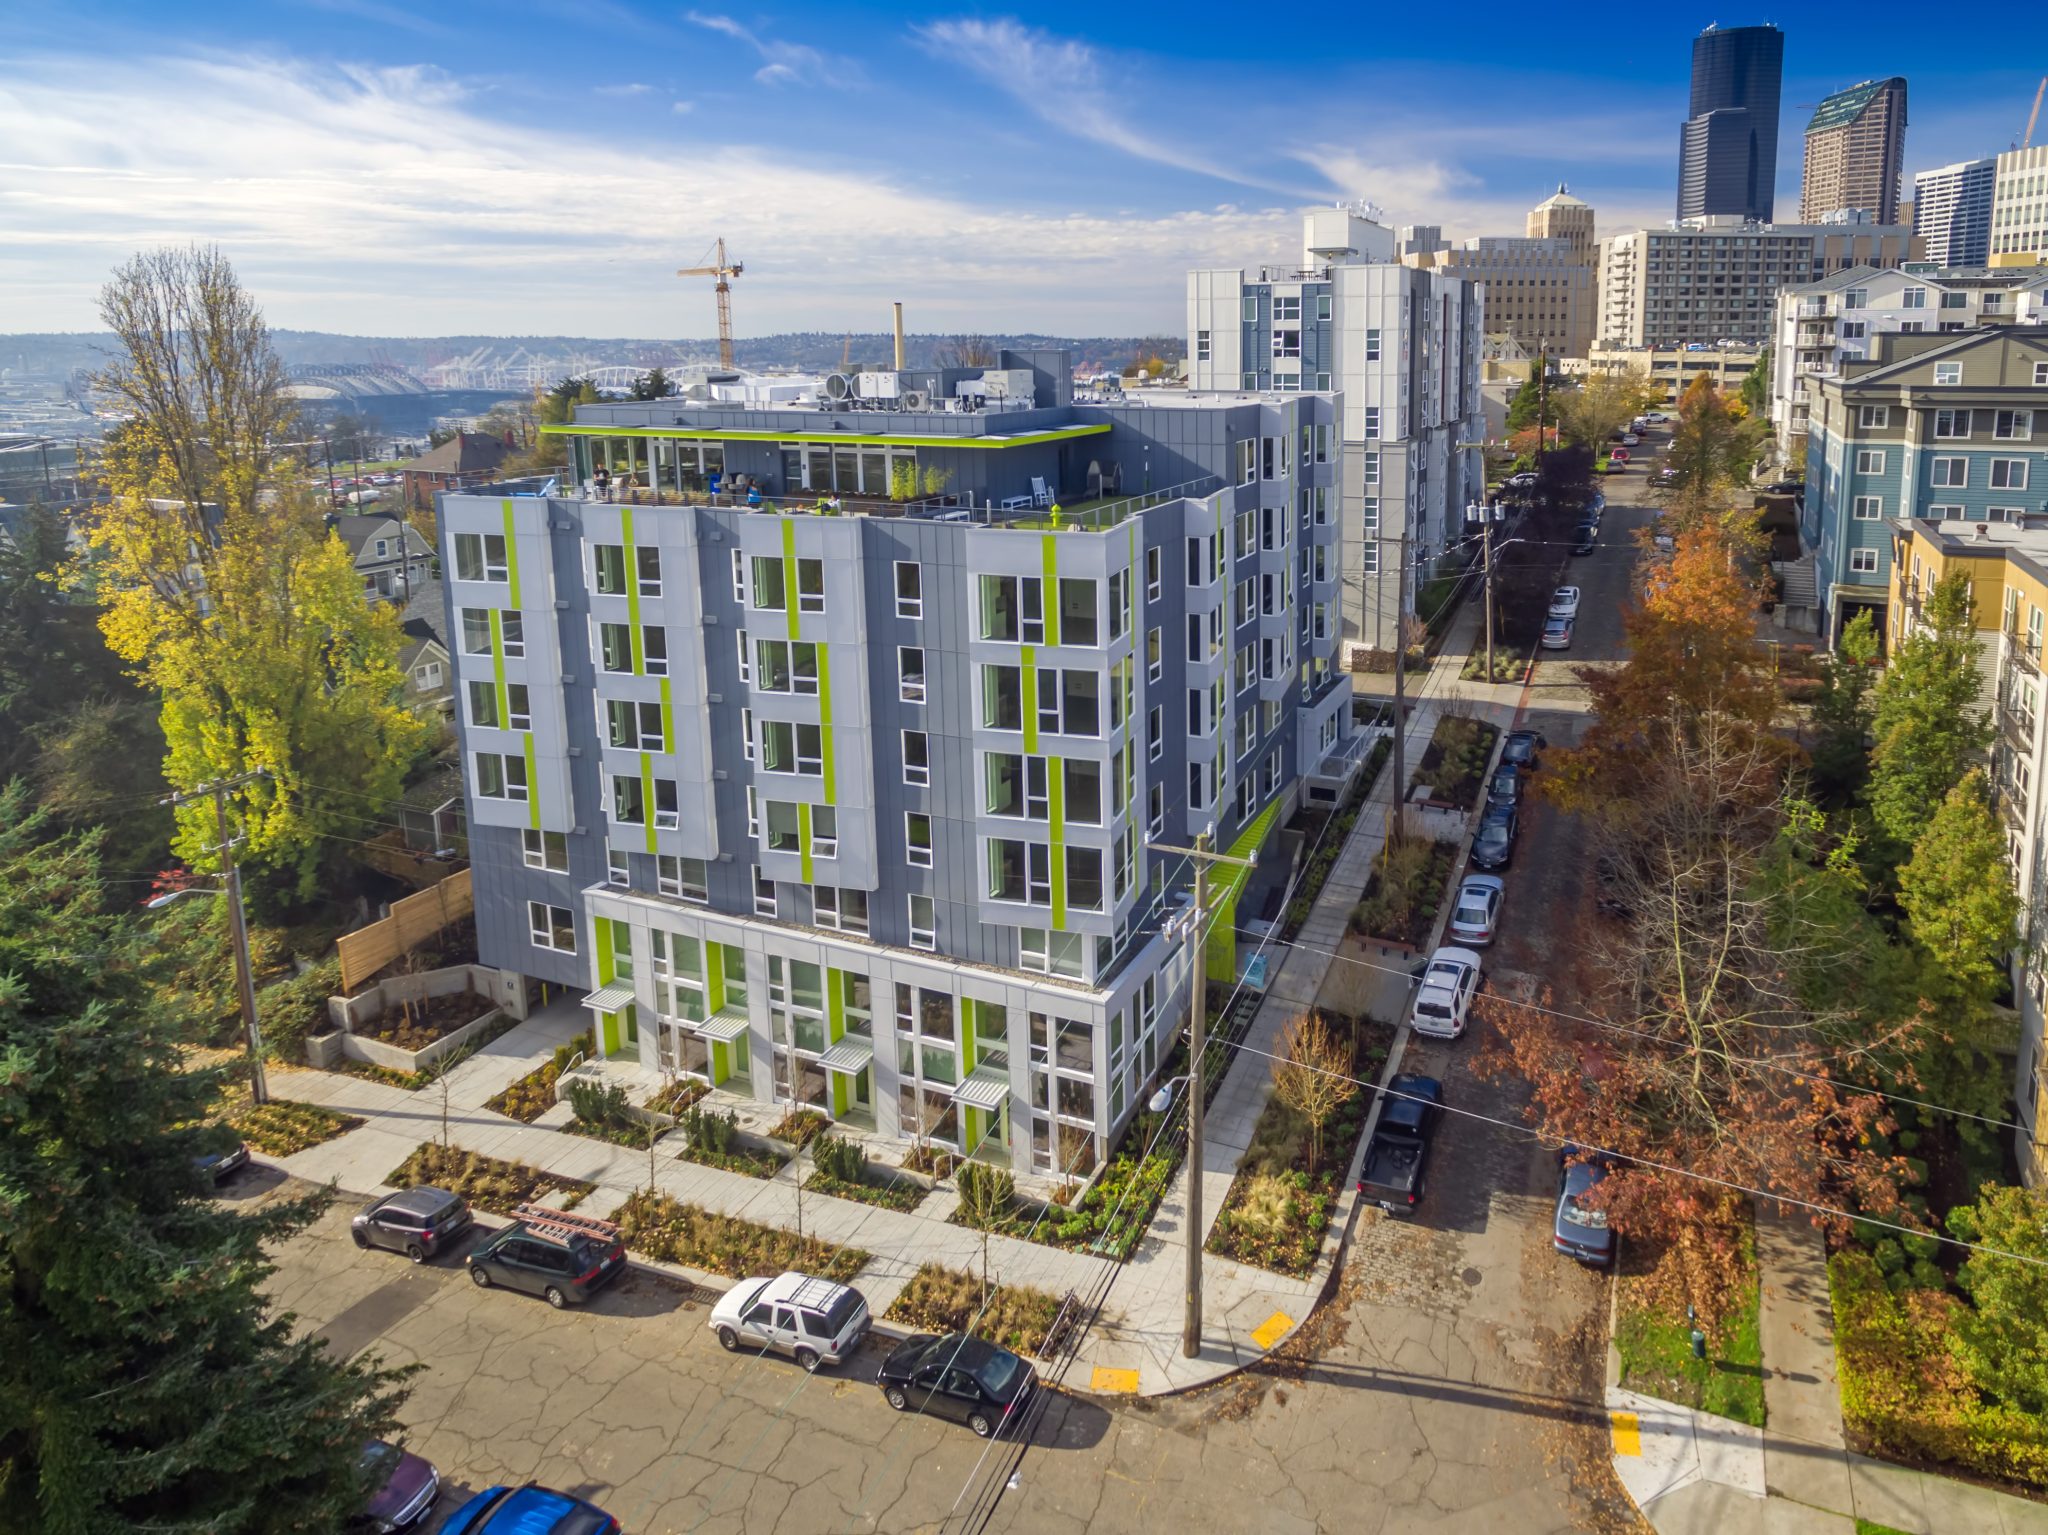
[[498, 987], [375, 1052], [323, 1050]]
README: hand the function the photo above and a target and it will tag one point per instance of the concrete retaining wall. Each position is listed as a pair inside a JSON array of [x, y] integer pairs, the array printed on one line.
[[376, 1053], [500, 988]]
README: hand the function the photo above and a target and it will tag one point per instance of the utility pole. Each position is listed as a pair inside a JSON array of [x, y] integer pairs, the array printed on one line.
[[1198, 1016], [1486, 545], [231, 881], [1399, 824]]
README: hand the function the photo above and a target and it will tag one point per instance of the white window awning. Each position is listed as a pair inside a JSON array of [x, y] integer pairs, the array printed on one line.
[[609, 999], [985, 1088], [723, 1026], [850, 1055]]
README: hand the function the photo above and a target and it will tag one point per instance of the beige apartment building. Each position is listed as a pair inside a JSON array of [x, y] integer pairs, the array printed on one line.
[[1855, 151], [1540, 287], [2019, 207]]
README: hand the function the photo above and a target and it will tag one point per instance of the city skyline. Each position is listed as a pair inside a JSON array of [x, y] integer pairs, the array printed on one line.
[[377, 171]]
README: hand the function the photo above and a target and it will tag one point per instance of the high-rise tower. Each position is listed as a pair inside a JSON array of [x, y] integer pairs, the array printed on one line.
[[1855, 149], [1728, 148]]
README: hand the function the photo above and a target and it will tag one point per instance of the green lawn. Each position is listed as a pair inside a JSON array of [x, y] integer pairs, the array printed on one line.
[[1872, 1527], [1656, 1359]]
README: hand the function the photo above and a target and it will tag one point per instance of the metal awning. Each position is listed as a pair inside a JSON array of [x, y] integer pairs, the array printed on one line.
[[851, 1054], [723, 1026], [983, 1089], [609, 999]]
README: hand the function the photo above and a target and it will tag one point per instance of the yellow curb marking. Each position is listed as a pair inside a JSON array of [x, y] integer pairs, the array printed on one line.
[[1106, 1379], [1272, 1330], [1628, 1434]]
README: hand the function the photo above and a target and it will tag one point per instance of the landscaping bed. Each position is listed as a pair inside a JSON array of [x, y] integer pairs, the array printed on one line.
[[534, 1094], [411, 1081], [679, 1096], [1655, 1344], [1279, 1205], [1454, 764], [1110, 1217], [798, 1126], [931, 1161], [1328, 839], [891, 1195], [1405, 891], [423, 1022], [279, 1128], [661, 1227], [714, 1141], [1506, 667], [944, 1300], [486, 1182]]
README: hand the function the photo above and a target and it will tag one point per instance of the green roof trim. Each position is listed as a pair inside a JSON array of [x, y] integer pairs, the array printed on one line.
[[1847, 106], [838, 439]]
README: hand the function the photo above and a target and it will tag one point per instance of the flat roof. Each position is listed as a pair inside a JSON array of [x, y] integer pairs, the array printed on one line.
[[840, 439]]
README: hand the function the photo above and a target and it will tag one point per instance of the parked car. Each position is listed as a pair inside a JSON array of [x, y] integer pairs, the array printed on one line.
[[814, 1321], [563, 1258], [1520, 748], [529, 1510], [1505, 787], [1494, 847], [1655, 415], [1557, 633], [1564, 602], [419, 1222], [1586, 539], [1619, 456], [1443, 1002], [218, 1165], [406, 1489], [1581, 1231], [1630, 439], [1784, 488], [1476, 912], [1396, 1168], [958, 1376]]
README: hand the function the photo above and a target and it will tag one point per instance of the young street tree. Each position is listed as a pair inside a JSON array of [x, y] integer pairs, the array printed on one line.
[[224, 589], [1712, 445], [1603, 405], [1313, 1076], [1957, 891], [144, 1382], [1929, 727]]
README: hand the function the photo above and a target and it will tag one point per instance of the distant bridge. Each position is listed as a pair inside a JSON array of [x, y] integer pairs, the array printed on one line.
[[351, 381]]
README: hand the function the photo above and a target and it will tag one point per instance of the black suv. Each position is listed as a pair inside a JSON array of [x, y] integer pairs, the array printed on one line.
[[563, 1258], [420, 1223]]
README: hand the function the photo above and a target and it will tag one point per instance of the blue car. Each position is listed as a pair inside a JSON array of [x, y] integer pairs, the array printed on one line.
[[1581, 1231], [528, 1510]]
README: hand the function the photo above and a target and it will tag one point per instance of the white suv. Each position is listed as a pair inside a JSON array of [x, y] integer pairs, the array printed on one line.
[[1444, 1001], [814, 1321]]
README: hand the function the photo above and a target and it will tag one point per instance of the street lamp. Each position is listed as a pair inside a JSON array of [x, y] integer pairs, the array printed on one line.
[[259, 1084]]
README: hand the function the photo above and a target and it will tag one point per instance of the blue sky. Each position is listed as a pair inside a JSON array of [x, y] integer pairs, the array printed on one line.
[[543, 166]]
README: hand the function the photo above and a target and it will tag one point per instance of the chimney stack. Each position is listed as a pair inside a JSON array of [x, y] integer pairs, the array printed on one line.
[[898, 307]]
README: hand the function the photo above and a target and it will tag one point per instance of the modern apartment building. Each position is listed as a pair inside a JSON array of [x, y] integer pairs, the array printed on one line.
[[1728, 147], [1539, 289], [1952, 212], [1404, 348], [1671, 368], [1928, 426], [2007, 566], [846, 800], [2019, 207], [1714, 280], [1855, 151], [1819, 325]]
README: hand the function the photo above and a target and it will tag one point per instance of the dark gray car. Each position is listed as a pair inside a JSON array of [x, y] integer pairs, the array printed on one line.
[[420, 1222]]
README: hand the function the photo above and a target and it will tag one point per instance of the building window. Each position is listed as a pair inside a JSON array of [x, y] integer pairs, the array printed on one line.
[[1951, 423], [2012, 425], [629, 801], [634, 726], [1863, 562], [1372, 467], [764, 900], [1155, 747], [1873, 415], [1948, 373], [1155, 655], [917, 761], [609, 562], [909, 590], [476, 631], [917, 839], [1951, 472], [1870, 461], [2008, 474], [1948, 514], [910, 673], [546, 850], [1869, 508], [552, 927], [2041, 375], [1201, 346], [615, 647], [483, 706], [618, 868], [500, 777], [1372, 345], [844, 911], [480, 557], [924, 923]]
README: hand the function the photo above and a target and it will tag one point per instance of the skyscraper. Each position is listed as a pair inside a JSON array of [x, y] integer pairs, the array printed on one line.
[[1855, 147], [1728, 148], [1952, 212]]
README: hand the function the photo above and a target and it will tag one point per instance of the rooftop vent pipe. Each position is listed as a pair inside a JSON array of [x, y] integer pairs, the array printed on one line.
[[898, 307]]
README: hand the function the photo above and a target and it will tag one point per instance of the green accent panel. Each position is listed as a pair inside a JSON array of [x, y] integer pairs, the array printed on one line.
[[1028, 666], [721, 1061], [837, 439], [1056, 805], [835, 1006], [632, 589], [970, 1130], [668, 720], [742, 1054], [632, 1017], [789, 596], [968, 1054], [511, 555], [825, 724], [647, 794], [840, 1092], [498, 671], [611, 1033], [532, 786], [714, 975], [607, 966], [1221, 948], [803, 839], [1049, 548]]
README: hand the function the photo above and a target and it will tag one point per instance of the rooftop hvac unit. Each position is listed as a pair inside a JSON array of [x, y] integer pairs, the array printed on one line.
[[1007, 383], [838, 386], [916, 399], [880, 386]]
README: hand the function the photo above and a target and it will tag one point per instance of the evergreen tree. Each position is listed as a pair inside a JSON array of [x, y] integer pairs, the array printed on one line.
[[144, 1382], [1842, 715], [1957, 891], [2002, 1342], [1928, 726]]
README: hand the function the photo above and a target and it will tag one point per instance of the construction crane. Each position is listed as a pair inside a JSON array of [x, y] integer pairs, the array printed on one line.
[[722, 270], [2035, 115]]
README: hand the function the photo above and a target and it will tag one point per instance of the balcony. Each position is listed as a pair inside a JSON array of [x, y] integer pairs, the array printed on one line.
[[2017, 727], [2023, 652]]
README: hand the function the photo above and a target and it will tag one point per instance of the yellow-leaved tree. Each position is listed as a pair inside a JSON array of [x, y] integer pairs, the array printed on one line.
[[223, 587]]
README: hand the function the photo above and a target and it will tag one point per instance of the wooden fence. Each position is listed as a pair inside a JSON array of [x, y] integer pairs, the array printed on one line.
[[367, 950]]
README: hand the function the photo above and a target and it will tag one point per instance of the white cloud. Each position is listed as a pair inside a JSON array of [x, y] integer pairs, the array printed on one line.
[[631, 88], [783, 63], [1062, 81], [682, 107], [384, 201]]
